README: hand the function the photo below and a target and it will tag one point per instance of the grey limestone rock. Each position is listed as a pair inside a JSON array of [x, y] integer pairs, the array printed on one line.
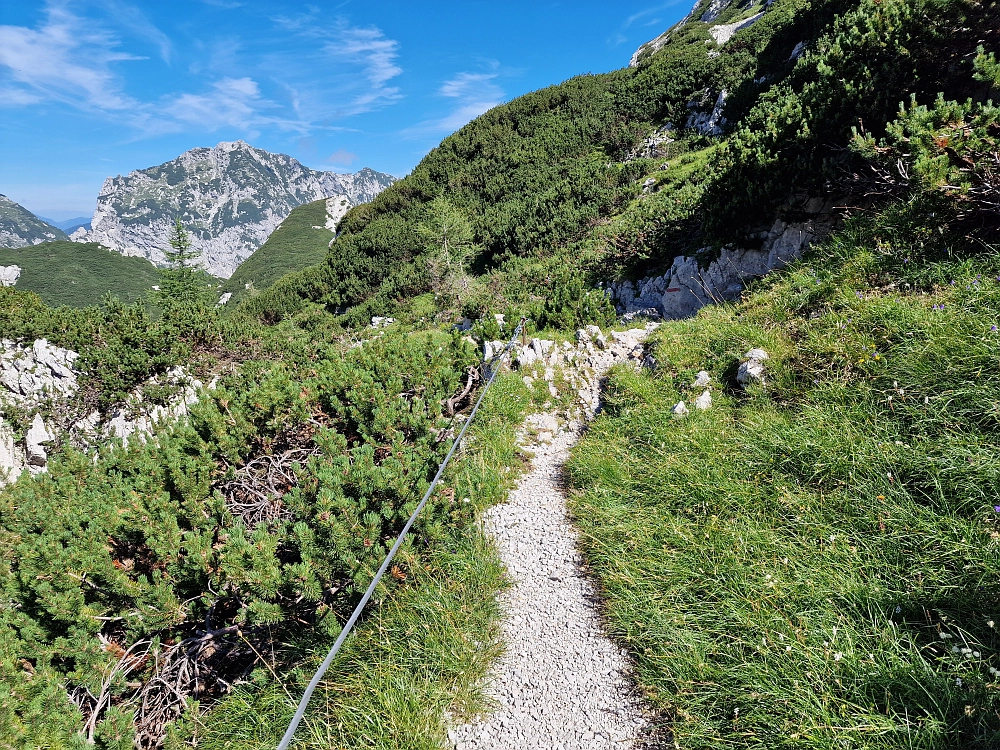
[[702, 380], [9, 275], [34, 443], [681, 410], [752, 367], [704, 401], [724, 32]]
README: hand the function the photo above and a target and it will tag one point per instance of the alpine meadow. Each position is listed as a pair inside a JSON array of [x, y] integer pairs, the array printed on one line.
[[759, 281]]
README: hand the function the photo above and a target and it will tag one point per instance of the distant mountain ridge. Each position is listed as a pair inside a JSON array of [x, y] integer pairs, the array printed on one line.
[[21, 228], [230, 197], [68, 225]]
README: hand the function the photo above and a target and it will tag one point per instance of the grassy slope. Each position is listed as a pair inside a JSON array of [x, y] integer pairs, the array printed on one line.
[[813, 563], [302, 240], [79, 275]]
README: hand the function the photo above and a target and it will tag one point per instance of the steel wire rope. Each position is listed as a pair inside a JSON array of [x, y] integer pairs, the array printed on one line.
[[493, 367]]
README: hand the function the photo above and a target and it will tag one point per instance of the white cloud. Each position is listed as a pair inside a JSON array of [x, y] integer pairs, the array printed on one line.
[[333, 70], [369, 49], [475, 93], [65, 59]]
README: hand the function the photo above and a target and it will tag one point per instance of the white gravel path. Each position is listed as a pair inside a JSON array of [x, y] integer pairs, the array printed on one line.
[[562, 682]]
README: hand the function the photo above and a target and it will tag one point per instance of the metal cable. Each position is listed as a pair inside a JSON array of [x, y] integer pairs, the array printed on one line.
[[349, 625]]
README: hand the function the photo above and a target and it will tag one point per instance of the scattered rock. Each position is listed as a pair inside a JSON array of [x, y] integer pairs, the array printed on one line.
[[680, 411], [224, 299], [380, 322], [798, 51], [704, 401], [648, 185], [752, 368], [702, 380]]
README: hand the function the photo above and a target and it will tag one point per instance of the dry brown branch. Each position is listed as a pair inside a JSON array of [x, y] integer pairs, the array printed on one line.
[[201, 667], [455, 401], [255, 493]]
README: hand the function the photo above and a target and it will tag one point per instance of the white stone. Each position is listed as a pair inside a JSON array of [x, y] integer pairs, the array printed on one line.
[[224, 299], [11, 457], [680, 411], [9, 275], [704, 401], [752, 368], [709, 123], [34, 442], [702, 380]]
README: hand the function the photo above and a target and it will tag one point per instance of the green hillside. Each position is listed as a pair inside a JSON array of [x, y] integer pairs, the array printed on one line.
[[811, 564], [300, 241], [79, 275]]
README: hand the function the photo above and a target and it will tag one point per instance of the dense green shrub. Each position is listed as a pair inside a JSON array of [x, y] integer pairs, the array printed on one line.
[[146, 545]]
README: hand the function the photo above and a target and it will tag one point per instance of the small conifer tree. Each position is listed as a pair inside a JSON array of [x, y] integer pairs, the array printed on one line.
[[180, 281], [448, 240]]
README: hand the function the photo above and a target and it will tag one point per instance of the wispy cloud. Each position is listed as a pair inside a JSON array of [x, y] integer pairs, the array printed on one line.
[[365, 59], [65, 59], [644, 18], [474, 94], [75, 61]]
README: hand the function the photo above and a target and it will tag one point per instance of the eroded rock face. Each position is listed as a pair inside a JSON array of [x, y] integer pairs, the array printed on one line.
[[32, 375], [708, 123], [687, 287], [42, 379], [724, 32]]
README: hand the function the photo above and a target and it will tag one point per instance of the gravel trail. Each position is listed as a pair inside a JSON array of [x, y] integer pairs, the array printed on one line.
[[562, 683]]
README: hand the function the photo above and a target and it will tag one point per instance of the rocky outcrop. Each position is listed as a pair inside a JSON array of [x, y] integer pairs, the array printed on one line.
[[21, 228], [230, 198], [708, 123], [711, 11], [9, 275], [42, 379], [688, 286], [724, 32]]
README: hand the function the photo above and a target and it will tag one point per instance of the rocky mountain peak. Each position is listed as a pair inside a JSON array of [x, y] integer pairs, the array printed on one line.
[[230, 197]]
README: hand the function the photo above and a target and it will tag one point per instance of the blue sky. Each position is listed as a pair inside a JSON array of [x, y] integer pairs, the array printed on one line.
[[93, 88]]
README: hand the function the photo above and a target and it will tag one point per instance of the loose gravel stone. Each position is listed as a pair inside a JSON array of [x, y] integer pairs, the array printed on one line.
[[562, 683]]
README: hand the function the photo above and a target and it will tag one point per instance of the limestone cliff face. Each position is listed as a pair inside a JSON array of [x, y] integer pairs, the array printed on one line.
[[230, 198], [688, 285], [21, 228]]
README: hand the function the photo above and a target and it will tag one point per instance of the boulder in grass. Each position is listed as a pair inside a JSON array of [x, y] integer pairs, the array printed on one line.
[[752, 367]]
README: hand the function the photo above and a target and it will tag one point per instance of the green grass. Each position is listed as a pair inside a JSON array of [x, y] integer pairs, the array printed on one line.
[[302, 240], [421, 649], [79, 275], [813, 563]]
